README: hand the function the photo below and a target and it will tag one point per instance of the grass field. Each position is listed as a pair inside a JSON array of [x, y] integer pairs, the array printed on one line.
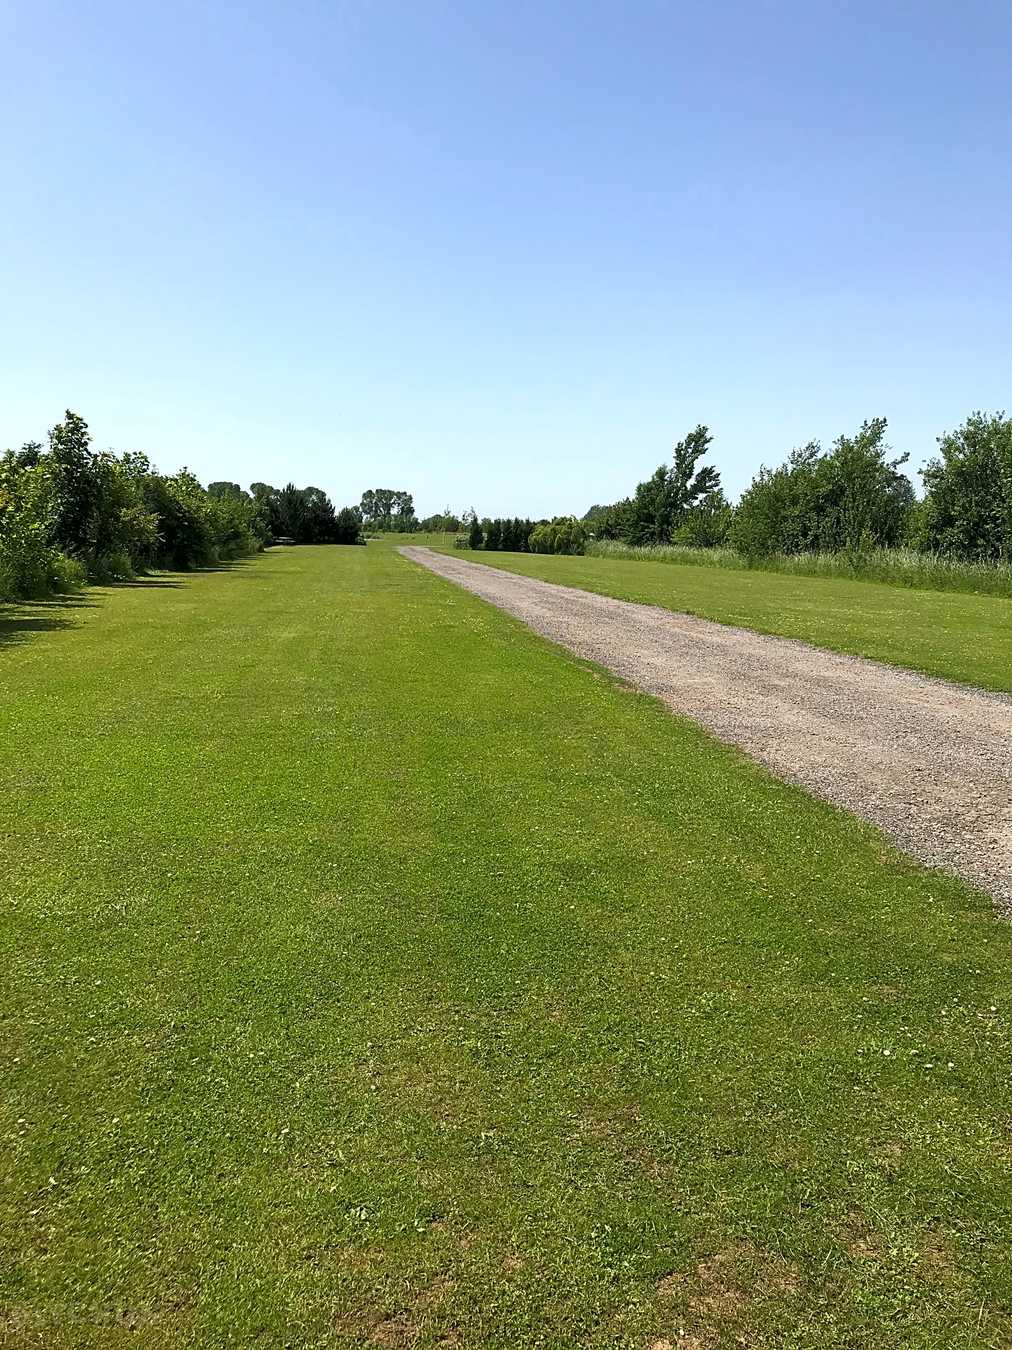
[[949, 634], [376, 974]]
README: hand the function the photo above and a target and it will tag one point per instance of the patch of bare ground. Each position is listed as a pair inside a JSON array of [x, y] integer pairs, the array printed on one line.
[[713, 1301], [415, 1316]]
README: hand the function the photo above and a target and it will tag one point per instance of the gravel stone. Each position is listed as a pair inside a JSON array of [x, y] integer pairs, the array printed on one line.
[[927, 761]]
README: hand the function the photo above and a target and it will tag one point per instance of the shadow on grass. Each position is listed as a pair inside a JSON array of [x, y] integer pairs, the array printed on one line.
[[149, 583], [171, 580], [19, 621], [235, 565]]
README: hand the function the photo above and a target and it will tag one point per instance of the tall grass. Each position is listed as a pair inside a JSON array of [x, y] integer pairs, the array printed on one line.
[[894, 566]]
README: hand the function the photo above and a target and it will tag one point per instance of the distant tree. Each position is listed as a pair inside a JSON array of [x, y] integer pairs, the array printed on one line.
[[348, 526], [848, 499], [319, 520], [75, 486], [660, 504], [384, 509], [289, 513], [967, 511], [223, 489], [610, 522], [473, 527], [707, 524], [442, 522], [564, 534], [404, 519]]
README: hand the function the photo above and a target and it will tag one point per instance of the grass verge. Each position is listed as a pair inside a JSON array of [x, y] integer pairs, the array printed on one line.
[[893, 566], [379, 975]]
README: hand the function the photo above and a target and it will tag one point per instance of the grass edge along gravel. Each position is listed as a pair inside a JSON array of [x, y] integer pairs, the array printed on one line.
[[401, 980], [949, 635]]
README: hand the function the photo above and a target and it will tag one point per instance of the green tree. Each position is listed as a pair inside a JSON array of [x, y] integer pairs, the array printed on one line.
[[660, 504], [492, 530], [564, 534], [348, 526], [967, 510], [851, 498], [471, 523]]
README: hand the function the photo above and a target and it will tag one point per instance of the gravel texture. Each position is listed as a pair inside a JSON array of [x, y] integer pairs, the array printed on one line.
[[928, 762]]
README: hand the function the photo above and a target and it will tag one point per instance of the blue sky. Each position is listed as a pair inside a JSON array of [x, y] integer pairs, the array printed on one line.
[[501, 254]]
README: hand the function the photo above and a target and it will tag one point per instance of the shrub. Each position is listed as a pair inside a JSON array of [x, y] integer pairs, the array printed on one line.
[[564, 534], [110, 567]]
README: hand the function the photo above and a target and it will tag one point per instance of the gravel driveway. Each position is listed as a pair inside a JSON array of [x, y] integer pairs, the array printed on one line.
[[928, 762]]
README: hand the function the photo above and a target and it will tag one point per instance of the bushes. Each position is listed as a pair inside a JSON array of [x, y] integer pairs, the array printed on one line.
[[564, 534]]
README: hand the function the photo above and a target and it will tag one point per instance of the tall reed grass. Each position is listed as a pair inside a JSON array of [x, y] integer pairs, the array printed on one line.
[[893, 566]]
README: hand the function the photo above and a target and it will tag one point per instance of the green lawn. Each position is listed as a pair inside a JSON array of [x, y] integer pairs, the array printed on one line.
[[376, 974], [956, 636]]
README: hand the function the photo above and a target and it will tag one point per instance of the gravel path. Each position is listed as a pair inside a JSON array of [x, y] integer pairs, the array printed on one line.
[[928, 762]]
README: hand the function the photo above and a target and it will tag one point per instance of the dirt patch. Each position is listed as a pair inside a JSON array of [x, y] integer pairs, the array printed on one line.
[[928, 762], [721, 1291], [404, 1325]]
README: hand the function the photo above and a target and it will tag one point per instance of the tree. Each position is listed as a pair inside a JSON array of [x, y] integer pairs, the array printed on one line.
[[610, 522], [348, 526], [387, 509], [564, 534], [289, 518], [492, 529], [75, 486], [473, 527], [967, 511], [319, 519], [660, 504], [848, 499], [706, 525]]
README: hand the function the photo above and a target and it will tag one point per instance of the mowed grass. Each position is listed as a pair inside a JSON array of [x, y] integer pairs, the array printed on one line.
[[954, 636], [376, 974]]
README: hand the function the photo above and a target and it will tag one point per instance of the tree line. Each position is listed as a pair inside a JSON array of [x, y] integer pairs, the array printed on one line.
[[564, 534], [852, 497], [70, 514]]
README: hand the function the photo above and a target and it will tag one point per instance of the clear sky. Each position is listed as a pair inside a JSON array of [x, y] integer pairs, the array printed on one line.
[[501, 253]]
